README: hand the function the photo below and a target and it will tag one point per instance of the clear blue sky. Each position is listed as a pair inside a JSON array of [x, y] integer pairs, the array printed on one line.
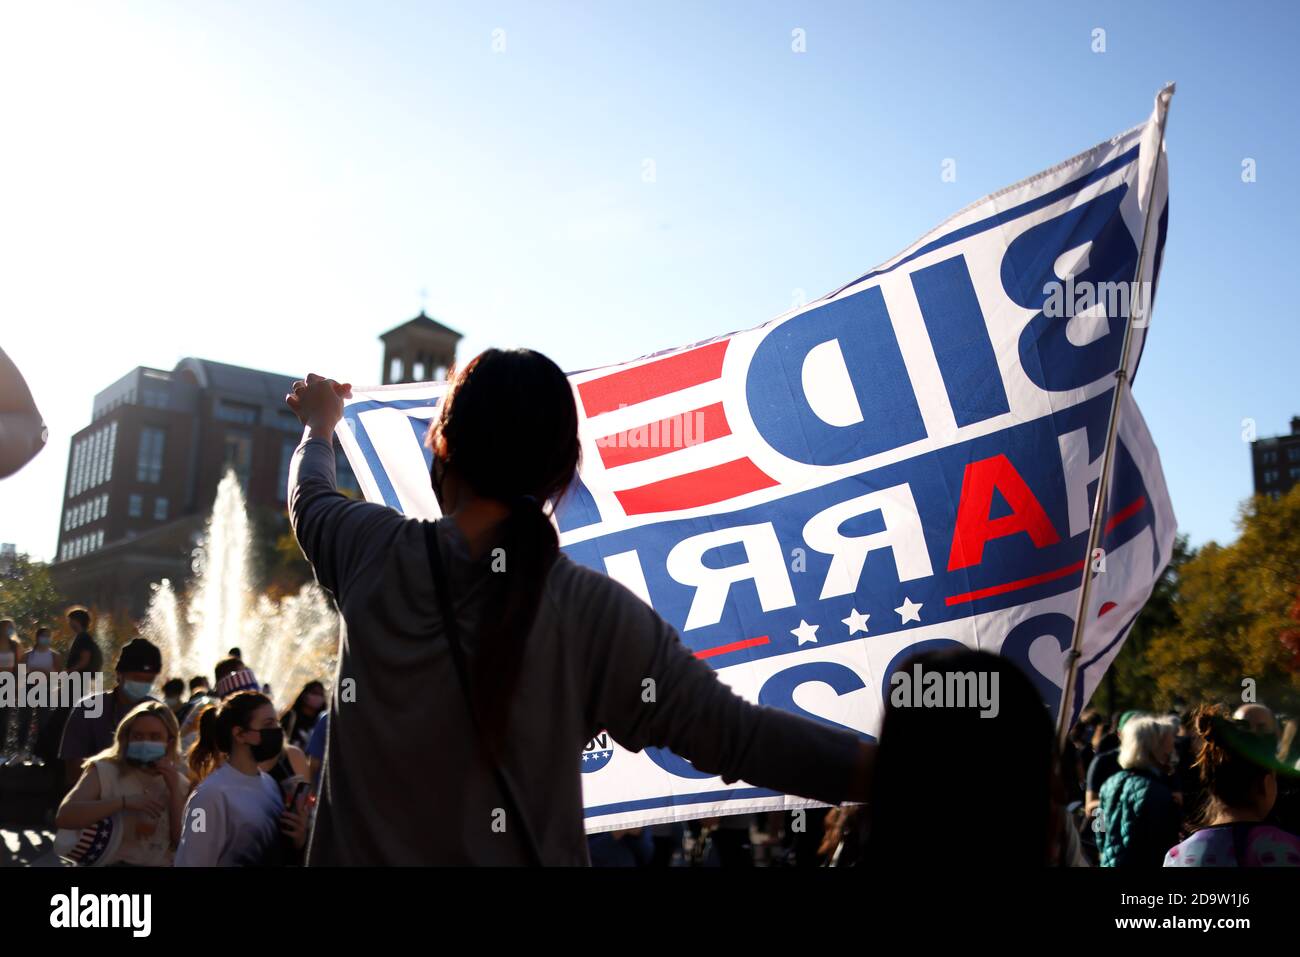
[[273, 184]]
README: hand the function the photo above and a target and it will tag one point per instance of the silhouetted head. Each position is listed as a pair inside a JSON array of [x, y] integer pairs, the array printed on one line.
[[508, 428], [953, 788]]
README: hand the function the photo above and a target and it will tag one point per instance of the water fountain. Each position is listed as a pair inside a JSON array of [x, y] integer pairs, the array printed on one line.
[[286, 642]]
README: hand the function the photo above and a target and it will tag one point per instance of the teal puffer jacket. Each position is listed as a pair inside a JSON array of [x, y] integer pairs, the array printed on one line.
[[1138, 821]]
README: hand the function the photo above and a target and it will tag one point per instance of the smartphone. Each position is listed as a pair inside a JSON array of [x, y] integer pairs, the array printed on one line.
[[297, 793]]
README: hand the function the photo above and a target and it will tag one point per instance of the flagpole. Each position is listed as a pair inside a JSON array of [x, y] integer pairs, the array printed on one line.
[[1095, 534]]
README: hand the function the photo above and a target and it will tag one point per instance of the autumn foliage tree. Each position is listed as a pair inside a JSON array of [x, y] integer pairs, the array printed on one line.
[[1236, 616]]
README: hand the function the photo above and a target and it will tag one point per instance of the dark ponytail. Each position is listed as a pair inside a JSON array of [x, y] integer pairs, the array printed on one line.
[[203, 757], [1229, 774], [509, 429], [216, 727]]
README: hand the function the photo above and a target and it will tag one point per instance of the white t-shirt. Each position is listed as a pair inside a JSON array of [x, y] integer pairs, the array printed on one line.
[[39, 658], [231, 820]]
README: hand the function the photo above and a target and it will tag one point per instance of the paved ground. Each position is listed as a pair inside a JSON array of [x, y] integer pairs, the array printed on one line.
[[27, 849]]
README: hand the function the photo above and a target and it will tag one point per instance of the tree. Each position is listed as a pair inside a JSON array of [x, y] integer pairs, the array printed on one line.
[[1236, 615], [1128, 682], [28, 595]]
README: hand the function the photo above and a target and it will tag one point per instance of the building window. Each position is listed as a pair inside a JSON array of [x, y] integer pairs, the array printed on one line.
[[96, 458], [135, 506], [1294, 472], [395, 369], [148, 467], [239, 455], [237, 412], [1269, 457], [160, 509], [155, 398], [101, 472], [1293, 453], [75, 470], [112, 447], [1270, 476]]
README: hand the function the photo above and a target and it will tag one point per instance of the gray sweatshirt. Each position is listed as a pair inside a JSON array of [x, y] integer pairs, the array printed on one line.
[[404, 781]]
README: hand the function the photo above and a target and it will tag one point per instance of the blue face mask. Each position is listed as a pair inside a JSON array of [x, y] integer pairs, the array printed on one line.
[[145, 752], [137, 690]]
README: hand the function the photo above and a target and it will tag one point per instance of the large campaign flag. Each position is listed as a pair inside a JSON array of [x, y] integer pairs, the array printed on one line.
[[908, 463]]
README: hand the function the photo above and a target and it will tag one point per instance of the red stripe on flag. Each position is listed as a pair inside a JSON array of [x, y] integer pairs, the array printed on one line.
[[1126, 513], [653, 379], [667, 435], [715, 484], [734, 646], [1122, 515], [1013, 586]]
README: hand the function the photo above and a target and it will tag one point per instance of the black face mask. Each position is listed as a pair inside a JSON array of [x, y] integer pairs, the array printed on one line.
[[270, 746]]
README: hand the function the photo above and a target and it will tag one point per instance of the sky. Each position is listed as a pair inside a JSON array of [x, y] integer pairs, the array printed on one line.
[[273, 185]]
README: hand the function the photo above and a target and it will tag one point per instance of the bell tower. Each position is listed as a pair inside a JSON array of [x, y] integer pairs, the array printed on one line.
[[419, 350]]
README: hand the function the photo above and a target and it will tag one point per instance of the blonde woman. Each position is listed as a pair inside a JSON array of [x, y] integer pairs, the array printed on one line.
[[139, 778], [1140, 816]]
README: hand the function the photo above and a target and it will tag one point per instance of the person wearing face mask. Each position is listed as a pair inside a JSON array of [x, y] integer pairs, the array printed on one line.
[[1139, 819], [138, 779], [299, 720], [94, 719], [41, 657], [246, 822]]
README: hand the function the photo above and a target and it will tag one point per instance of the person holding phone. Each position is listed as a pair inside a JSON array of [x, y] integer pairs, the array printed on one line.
[[245, 820], [138, 778]]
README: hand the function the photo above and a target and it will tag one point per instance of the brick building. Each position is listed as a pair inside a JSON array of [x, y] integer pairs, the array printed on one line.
[[1275, 462], [142, 476]]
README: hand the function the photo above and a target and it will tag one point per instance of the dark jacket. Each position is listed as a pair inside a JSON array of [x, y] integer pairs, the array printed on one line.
[[1139, 820]]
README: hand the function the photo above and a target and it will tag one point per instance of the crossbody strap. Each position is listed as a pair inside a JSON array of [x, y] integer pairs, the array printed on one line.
[[452, 629]]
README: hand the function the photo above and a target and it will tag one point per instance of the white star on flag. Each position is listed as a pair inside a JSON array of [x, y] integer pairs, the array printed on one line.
[[856, 622], [909, 611], [805, 632]]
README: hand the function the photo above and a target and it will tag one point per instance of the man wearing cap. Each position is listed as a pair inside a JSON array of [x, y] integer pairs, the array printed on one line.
[[94, 719]]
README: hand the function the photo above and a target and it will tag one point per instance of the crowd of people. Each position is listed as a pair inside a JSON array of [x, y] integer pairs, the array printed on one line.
[[478, 658], [130, 765], [1208, 787]]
